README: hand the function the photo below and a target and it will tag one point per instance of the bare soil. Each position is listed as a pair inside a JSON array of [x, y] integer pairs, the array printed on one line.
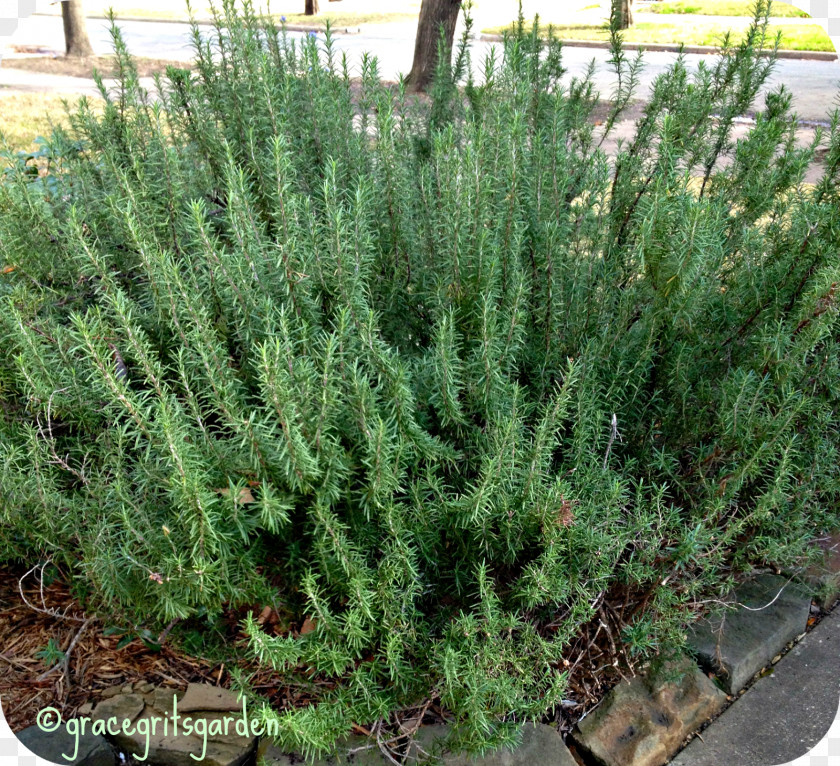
[[84, 67]]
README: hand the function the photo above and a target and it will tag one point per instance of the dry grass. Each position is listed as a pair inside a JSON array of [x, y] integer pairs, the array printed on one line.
[[28, 115], [25, 115], [74, 67]]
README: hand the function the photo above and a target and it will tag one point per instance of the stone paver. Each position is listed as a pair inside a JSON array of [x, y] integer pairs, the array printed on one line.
[[784, 714], [644, 721], [739, 643], [206, 697], [369, 757], [352, 750], [164, 747], [824, 577], [92, 749], [541, 744]]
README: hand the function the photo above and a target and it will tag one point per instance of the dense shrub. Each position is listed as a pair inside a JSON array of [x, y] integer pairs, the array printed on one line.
[[437, 378]]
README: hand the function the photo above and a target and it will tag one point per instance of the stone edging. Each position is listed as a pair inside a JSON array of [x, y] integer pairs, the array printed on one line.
[[644, 721]]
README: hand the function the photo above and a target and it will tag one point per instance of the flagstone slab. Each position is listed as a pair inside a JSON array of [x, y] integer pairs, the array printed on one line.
[[143, 727], [645, 720], [358, 751], [207, 697], [541, 744], [735, 645], [91, 749]]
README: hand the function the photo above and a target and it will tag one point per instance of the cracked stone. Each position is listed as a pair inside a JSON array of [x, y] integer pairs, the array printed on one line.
[[736, 645], [541, 744], [644, 721], [269, 755], [153, 739]]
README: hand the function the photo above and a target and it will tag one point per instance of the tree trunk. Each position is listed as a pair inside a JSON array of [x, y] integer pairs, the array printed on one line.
[[76, 39], [311, 8], [624, 12], [433, 15]]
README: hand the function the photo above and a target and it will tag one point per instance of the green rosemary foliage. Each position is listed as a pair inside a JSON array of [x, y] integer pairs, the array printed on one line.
[[435, 378]]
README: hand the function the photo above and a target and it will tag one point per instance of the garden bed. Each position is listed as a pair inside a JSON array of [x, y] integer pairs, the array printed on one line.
[[392, 409], [35, 637]]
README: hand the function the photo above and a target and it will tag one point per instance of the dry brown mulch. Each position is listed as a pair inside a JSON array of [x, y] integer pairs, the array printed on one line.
[[32, 614], [97, 662], [28, 685]]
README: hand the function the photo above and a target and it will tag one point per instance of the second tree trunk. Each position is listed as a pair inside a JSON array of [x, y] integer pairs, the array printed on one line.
[[76, 40], [433, 15], [624, 12]]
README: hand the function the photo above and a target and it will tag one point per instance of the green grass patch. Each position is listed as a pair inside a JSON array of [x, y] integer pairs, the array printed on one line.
[[723, 8], [795, 37]]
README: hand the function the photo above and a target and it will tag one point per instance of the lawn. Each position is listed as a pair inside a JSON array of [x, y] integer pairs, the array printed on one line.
[[72, 67], [797, 37], [721, 8], [28, 115]]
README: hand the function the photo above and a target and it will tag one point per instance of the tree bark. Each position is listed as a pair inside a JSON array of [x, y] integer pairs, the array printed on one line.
[[311, 8], [76, 40], [433, 15], [624, 13]]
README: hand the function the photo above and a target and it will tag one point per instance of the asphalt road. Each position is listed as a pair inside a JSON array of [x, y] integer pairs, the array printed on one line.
[[815, 84]]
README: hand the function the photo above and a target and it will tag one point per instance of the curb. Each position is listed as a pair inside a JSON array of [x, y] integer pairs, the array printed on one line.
[[205, 23], [669, 48]]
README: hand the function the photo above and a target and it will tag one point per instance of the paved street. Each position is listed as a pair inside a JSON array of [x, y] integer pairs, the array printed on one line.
[[814, 84]]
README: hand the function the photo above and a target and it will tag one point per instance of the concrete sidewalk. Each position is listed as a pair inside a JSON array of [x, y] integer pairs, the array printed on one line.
[[784, 714]]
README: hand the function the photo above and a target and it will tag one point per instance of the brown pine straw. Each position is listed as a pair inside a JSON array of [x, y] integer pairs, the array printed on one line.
[[93, 663]]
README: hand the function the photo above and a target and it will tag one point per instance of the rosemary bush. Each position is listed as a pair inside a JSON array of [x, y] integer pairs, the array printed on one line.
[[439, 378]]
